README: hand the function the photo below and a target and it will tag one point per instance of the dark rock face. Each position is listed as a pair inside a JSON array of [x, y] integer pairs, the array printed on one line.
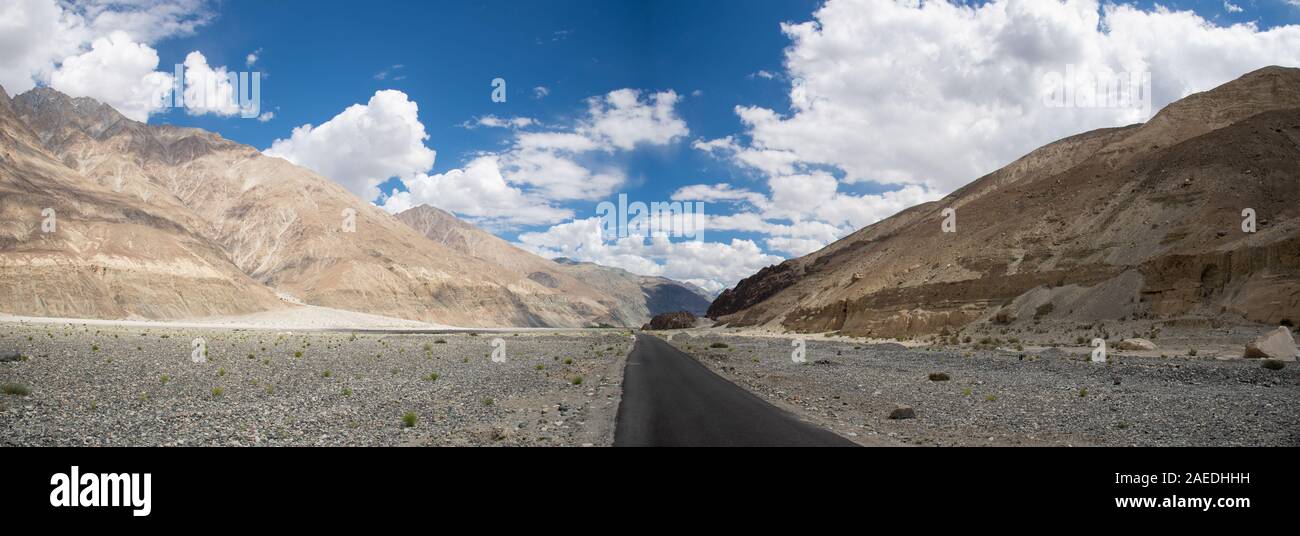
[[754, 289], [678, 320], [545, 279]]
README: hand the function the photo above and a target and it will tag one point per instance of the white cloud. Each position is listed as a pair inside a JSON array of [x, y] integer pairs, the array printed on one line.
[[622, 119], [102, 49], [266, 116], [116, 71], [209, 90], [252, 57], [36, 36], [543, 168], [713, 265], [718, 192], [938, 94], [492, 121], [480, 193], [364, 145], [540, 92], [384, 74], [555, 176]]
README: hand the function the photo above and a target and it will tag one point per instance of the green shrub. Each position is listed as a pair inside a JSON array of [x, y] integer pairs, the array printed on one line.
[[577, 380], [719, 345], [409, 419], [15, 389]]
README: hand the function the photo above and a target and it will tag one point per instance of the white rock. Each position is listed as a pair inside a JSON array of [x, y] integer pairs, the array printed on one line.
[[1277, 344], [1135, 344]]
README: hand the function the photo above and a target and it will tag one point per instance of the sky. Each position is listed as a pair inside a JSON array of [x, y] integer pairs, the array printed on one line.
[[796, 122]]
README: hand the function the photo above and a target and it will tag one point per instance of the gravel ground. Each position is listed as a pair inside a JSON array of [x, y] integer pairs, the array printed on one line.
[[103, 385], [998, 397]]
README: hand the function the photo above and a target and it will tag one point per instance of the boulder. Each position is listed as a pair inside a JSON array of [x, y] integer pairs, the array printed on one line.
[[1135, 344], [1277, 344], [902, 412]]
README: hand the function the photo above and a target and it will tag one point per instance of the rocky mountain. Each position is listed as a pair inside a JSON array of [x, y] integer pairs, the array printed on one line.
[[1139, 222], [660, 294], [628, 299], [156, 221], [72, 247]]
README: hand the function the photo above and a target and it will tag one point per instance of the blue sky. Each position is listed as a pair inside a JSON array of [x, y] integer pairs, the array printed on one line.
[[795, 136]]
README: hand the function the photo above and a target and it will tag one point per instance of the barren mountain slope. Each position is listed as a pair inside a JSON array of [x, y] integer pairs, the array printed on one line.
[[288, 227], [107, 255], [630, 299], [1137, 222]]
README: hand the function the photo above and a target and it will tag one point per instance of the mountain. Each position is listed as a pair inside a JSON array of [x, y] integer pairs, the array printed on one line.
[[158, 221], [1143, 221], [658, 294], [108, 254], [628, 299]]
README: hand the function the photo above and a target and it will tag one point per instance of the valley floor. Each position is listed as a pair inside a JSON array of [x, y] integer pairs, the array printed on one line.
[[78, 384], [1038, 396]]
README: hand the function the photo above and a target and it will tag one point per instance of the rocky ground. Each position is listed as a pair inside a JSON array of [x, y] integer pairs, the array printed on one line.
[[1010, 394], [77, 385]]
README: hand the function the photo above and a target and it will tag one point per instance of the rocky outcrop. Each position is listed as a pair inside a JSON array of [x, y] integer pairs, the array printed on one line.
[[754, 289], [1136, 222], [677, 320]]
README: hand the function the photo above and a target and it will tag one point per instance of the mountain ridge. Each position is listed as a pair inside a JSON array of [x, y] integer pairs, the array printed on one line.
[[264, 227], [630, 299], [1084, 223]]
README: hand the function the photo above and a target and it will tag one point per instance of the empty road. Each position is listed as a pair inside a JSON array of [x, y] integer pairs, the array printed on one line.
[[670, 399]]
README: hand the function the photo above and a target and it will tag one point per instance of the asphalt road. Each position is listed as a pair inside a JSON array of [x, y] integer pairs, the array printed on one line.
[[670, 399]]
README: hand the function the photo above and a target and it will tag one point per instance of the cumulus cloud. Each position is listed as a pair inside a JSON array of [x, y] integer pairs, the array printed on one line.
[[364, 145], [937, 94], [544, 168], [37, 36], [211, 90], [102, 49], [479, 192], [116, 71], [622, 119]]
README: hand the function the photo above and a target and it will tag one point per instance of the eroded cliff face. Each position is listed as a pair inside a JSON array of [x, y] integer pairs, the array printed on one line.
[[1137, 222]]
